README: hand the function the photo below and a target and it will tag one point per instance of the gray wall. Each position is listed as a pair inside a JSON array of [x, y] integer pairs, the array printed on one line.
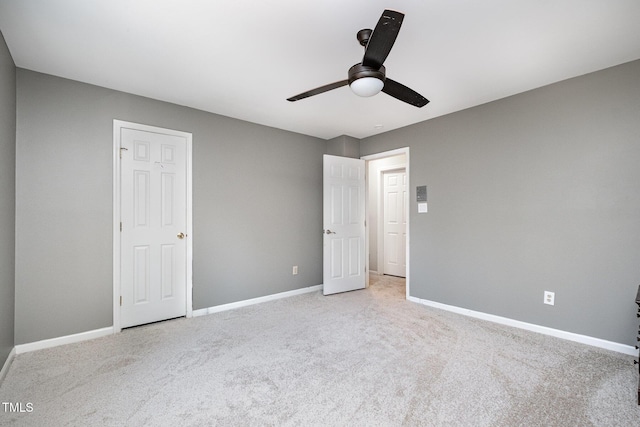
[[530, 193], [345, 146], [257, 204], [7, 198], [539, 191]]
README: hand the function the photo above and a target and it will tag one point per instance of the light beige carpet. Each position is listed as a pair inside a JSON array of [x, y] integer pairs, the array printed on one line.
[[364, 358]]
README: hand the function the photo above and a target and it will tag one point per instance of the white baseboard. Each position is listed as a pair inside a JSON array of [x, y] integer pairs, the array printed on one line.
[[584, 339], [248, 302], [68, 339], [84, 336], [7, 363]]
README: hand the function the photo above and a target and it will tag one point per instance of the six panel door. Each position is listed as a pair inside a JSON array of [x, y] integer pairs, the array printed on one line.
[[395, 223], [344, 227], [153, 215]]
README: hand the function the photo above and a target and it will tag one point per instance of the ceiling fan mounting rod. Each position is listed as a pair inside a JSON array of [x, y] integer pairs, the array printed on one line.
[[363, 36]]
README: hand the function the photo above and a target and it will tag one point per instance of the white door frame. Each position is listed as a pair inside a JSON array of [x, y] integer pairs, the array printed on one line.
[[383, 155], [117, 126]]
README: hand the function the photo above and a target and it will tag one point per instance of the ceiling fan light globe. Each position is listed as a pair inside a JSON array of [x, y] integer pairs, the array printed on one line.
[[367, 86]]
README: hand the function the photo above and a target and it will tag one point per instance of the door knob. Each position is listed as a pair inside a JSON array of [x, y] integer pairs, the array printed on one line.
[[180, 235], [330, 232]]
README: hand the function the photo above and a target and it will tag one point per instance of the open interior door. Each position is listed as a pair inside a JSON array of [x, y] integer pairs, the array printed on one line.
[[343, 224]]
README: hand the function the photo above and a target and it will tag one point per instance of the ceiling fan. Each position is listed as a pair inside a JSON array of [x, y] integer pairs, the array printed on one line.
[[368, 78]]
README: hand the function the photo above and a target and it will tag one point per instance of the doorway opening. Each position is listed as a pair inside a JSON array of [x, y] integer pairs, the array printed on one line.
[[379, 166]]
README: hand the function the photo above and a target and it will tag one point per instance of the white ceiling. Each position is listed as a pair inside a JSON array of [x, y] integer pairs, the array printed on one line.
[[243, 58]]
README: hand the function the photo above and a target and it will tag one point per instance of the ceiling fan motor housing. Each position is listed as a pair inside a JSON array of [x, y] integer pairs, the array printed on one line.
[[359, 71]]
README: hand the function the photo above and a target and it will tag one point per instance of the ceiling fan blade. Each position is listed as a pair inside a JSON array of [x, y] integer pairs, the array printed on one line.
[[318, 90], [403, 93], [382, 39]]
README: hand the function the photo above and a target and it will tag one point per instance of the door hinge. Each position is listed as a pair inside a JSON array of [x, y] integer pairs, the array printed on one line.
[[120, 300], [120, 226]]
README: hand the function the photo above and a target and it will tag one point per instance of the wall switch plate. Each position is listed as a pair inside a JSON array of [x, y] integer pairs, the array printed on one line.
[[549, 297], [295, 270]]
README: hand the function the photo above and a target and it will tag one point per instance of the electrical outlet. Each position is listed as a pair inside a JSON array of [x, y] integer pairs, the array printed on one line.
[[295, 270], [549, 297]]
